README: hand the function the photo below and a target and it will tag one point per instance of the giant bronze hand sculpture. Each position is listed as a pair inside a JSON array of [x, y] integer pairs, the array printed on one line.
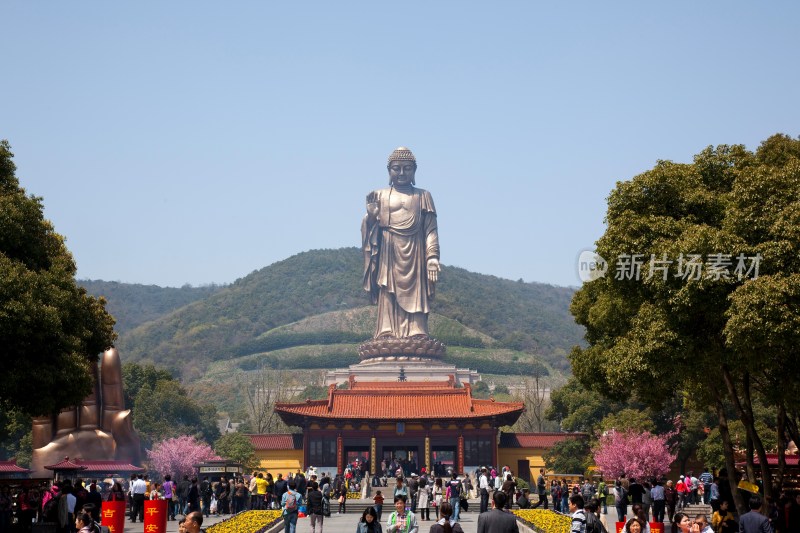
[[99, 429]]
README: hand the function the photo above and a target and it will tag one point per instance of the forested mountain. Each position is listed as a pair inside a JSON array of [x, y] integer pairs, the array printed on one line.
[[240, 320], [133, 304]]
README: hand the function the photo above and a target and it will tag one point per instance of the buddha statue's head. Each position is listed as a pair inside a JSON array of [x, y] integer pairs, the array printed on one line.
[[402, 167]]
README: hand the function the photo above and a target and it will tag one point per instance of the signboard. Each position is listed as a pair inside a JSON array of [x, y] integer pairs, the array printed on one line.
[[749, 487]]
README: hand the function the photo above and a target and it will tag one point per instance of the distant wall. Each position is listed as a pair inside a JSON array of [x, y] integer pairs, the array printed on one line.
[[510, 456], [280, 461]]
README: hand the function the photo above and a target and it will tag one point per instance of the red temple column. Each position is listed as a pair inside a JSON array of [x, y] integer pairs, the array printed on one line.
[[373, 452], [340, 454], [494, 445], [306, 447], [460, 455]]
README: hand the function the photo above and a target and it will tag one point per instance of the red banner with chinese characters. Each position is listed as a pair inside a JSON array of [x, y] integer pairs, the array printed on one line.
[[112, 515], [155, 516]]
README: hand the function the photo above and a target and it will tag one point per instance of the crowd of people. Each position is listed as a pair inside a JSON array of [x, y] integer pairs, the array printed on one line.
[[75, 505], [72, 506]]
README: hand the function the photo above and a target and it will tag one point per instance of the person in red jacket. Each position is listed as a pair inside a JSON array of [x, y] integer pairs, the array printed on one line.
[[683, 490]]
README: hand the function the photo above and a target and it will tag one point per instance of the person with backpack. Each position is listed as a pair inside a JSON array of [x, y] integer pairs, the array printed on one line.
[[454, 489], [578, 515], [602, 495], [183, 496], [205, 490], [593, 522], [620, 501], [290, 504]]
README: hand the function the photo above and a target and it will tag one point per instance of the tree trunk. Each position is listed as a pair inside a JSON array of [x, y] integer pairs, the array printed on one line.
[[781, 446], [730, 460], [791, 427], [744, 409]]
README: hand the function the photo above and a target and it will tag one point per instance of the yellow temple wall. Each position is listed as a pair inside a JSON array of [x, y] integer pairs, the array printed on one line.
[[280, 461]]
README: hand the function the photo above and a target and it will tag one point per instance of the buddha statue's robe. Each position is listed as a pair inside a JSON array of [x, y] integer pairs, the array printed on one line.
[[397, 245]]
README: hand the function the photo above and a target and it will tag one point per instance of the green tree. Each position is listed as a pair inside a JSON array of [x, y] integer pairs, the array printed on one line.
[[569, 456], [481, 390], [708, 224], [501, 389], [313, 392], [166, 411], [238, 447], [578, 408], [135, 376], [50, 329], [711, 450], [628, 420], [15, 436]]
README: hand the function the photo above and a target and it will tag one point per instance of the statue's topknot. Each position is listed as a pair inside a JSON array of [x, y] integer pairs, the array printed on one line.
[[402, 154]]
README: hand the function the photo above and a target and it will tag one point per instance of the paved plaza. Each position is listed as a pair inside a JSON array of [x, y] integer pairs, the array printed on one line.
[[346, 523]]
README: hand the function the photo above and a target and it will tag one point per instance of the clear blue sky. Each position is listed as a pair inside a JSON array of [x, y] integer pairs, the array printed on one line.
[[194, 142]]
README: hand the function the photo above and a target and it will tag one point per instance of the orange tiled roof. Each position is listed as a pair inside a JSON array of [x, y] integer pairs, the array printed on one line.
[[535, 440], [279, 441], [414, 400]]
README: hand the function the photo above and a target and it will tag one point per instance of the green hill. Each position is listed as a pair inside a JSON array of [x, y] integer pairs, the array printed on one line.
[[133, 304], [315, 299]]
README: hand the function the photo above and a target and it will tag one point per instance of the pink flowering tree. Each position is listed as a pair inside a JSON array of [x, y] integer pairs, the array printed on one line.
[[179, 455], [640, 455]]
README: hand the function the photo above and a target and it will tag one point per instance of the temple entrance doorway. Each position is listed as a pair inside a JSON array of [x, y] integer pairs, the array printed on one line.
[[443, 460], [405, 457], [357, 453]]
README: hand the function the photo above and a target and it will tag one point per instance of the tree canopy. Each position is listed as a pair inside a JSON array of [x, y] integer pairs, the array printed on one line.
[[639, 455], [162, 407], [50, 329], [238, 447], [178, 456], [701, 294]]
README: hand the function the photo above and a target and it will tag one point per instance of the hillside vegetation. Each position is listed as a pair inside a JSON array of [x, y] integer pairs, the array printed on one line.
[[315, 300], [133, 304]]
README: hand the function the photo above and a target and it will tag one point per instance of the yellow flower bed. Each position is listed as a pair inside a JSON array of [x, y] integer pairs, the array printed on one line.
[[246, 522], [545, 521], [353, 495]]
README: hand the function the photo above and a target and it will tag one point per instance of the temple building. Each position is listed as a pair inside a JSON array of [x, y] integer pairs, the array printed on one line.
[[421, 423]]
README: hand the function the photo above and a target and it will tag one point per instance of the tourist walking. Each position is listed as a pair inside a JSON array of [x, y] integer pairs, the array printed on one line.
[[290, 505], [424, 499], [753, 521], [193, 497], [446, 524], [620, 500], [401, 520], [497, 520], [438, 495], [454, 489], [577, 514], [171, 495], [483, 489], [315, 507], [370, 522], [670, 499]]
